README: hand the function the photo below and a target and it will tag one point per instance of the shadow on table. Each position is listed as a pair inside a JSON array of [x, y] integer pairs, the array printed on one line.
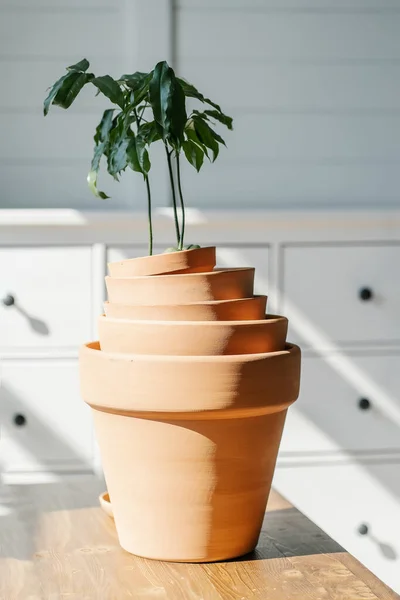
[[287, 532], [27, 503]]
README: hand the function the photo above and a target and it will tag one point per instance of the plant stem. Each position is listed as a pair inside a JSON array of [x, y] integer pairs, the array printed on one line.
[[149, 215], [141, 114], [171, 178], [136, 117], [146, 179], [178, 174]]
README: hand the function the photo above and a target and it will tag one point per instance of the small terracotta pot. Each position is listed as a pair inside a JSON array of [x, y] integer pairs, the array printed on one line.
[[196, 260], [221, 284], [189, 454], [186, 338], [242, 309]]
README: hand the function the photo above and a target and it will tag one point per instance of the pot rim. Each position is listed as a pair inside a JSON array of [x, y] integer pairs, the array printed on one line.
[[168, 276], [290, 348], [199, 303], [164, 263], [233, 386], [150, 257], [269, 319]]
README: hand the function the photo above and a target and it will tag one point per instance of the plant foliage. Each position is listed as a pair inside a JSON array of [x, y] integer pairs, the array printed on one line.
[[147, 108]]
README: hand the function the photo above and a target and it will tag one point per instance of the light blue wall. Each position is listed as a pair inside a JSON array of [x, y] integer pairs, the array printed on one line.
[[313, 86]]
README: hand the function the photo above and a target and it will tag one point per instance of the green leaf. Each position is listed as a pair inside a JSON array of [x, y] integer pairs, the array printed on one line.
[[66, 89], [101, 139], [53, 92], [138, 96], [119, 138], [110, 88], [143, 155], [71, 88], [224, 119], [135, 80], [219, 116], [149, 132], [205, 135], [193, 153], [138, 156], [191, 134], [97, 154], [80, 66], [192, 92], [117, 158], [133, 159], [217, 137], [138, 83], [200, 114], [155, 90], [92, 183], [145, 161], [103, 128], [167, 100]]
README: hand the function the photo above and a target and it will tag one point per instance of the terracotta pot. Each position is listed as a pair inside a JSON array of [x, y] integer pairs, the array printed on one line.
[[187, 338], [242, 309], [221, 284], [189, 393], [186, 261], [189, 454]]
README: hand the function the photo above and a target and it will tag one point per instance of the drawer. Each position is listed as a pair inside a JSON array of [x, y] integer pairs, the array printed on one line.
[[227, 256], [324, 287], [343, 406], [44, 423], [52, 291], [341, 499]]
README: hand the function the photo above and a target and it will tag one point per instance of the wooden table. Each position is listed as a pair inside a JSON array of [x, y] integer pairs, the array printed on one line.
[[57, 544]]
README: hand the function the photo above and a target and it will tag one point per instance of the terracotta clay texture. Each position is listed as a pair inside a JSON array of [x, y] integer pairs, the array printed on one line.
[[221, 284], [187, 261], [192, 337], [239, 309], [189, 385], [196, 490]]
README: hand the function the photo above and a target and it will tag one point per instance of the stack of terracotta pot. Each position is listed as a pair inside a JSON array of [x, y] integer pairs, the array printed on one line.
[[189, 384]]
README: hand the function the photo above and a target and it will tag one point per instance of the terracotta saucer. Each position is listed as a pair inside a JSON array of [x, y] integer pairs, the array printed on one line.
[[105, 504]]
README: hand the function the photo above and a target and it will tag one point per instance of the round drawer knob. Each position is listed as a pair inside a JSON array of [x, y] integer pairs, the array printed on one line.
[[363, 529], [19, 420], [364, 404], [8, 300], [365, 294]]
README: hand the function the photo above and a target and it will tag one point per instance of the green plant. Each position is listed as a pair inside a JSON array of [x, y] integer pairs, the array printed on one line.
[[148, 108]]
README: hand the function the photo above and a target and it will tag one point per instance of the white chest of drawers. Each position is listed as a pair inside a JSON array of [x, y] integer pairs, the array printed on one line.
[[49, 288], [336, 275]]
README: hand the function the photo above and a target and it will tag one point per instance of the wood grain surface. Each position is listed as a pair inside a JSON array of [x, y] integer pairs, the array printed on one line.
[[56, 543]]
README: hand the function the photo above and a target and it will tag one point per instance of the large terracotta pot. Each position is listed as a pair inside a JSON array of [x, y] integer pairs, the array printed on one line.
[[188, 412]]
